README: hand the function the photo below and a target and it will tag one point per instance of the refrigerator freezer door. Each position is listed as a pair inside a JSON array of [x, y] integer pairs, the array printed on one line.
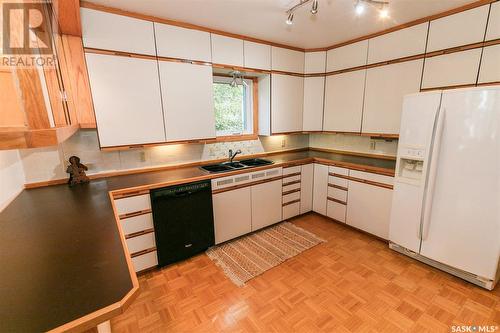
[[464, 225], [417, 123]]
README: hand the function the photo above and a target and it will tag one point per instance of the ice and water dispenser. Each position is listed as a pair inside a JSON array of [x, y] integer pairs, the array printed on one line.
[[411, 164]]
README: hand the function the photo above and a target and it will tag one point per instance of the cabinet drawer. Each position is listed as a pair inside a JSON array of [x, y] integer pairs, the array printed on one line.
[[337, 193], [291, 187], [145, 261], [137, 223], [291, 210], [337, 181], [294, 169], [133, 204], [291, 197], [336, 210], [339, 171], [372, 177], [291, 179], [141, 243]]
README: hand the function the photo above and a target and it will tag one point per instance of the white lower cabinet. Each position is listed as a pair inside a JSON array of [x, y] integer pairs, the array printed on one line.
[[336, 210], [145, 261], [232, 214], [369, 208], [266, 204], [306, 188], [320, 188]]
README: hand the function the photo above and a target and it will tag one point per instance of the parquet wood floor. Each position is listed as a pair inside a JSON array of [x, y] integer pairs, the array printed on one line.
[[352, 283]]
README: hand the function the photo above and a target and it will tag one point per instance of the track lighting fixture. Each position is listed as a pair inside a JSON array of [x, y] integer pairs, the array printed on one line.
[[289, 20], [382, 6], [314, 9]]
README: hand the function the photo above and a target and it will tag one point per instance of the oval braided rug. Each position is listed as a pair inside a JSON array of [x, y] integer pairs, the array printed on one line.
[[249, 256]]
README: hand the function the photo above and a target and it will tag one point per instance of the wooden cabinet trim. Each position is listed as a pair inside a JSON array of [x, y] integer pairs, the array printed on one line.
[[359, 180], [236, 187], [140, 253], [338, 187], [130, 194], [291, 183], [291, 191], [292, 174], [337, 201], [133, 214], [139, 233], [290, 202]]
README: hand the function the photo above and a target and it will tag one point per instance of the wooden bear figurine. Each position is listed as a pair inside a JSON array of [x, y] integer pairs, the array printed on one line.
[[76, 171]]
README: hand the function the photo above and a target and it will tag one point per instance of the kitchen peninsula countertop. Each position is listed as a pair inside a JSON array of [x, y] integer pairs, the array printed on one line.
[[61, 251]]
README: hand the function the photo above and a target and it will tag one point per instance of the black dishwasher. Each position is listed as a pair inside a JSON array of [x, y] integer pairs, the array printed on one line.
[[183, 220]]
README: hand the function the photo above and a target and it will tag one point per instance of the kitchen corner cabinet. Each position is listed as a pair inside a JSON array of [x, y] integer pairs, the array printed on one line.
[[306, 188], [182, 43], [187, 96], [344, 101], [127, 101], [232, 214], [227, 50], [266, 204], [287, 100], [385, 89], [101, 30], [490, 64], [452, 69], [320, 188], [314, 93]]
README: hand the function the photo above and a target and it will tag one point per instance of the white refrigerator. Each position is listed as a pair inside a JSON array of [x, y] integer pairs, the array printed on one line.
[[446, 200]]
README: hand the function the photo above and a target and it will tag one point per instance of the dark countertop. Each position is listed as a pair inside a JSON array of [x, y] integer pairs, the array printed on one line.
[[60, 249]]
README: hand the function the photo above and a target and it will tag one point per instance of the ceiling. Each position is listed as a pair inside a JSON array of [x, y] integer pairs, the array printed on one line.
[[265, 19]]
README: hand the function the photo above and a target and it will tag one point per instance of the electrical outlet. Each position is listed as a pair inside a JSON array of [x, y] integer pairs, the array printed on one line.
[[283, 143], [373, 145], [143, 156]]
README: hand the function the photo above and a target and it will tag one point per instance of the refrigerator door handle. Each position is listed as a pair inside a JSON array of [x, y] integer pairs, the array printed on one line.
[[432, 174]]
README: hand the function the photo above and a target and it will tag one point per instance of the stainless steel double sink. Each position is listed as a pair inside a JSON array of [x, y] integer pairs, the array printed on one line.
[[236, 165]]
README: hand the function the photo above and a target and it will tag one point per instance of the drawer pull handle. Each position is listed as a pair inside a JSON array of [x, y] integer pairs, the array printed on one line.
[[188, 245]]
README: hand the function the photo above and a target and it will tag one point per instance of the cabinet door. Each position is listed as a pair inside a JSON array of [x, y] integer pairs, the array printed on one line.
[[369, 208], [287, 60], [306, 188], [344, 101], [232, 214], [188, 104], [385, 89], [227, 50], [266, 204], [108, 31], [314, 93], [490, 64], [451, 69], [287, 100], [315, 62], [320, 188], [127, 101], [349, 56], [182, 43], [257, 55], [493, 30], [458, 29]]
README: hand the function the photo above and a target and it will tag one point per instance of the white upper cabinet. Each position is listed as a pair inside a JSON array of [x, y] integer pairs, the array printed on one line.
[[349, 56], [257, 55], [108, 31], [315, 62], [182, 43], [490, 64], [458, 29], [451, 69], [314, 93], [398, 44], [227, 50], [493, 30], [344, 101], [127, 101], [287, 98], [286, 60], [187, 118], [385, 88]]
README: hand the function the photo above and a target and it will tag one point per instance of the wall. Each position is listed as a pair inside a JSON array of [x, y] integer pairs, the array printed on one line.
[[49, 163], [354, 143], [11, 176]]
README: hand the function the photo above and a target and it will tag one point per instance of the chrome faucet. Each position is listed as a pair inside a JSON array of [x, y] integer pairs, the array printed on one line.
[[232, 156]]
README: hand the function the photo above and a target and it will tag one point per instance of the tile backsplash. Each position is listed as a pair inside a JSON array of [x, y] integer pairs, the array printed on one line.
[[354, 143]]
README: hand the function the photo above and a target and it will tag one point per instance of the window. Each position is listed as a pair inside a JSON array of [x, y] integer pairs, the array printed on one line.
[[233, 107]]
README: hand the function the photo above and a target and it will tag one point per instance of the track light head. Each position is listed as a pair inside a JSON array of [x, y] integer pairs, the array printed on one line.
[[384, 12], [359, 7], [314, 8], [289, 20]]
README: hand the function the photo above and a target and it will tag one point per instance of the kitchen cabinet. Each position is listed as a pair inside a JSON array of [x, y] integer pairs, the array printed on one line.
[[127, 100], [182, 43], [490, 64], [187, 118], [320, 188], [306, 188], [291, 191], [101, 30], [352, 55], [314, 93], [287, 102], [227, 50], [463, 28], [398, 44], [264, 101], [385, 89], [266, 204], [344, 101], [257, 55], [232, 214], [493, 29], [287, 60], [315, 62], [451, 69]]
